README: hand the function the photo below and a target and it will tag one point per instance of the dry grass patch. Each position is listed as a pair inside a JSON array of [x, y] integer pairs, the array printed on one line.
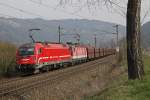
[[7, 57]]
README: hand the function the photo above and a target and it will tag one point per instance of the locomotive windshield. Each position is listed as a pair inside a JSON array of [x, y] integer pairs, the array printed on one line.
[[26, 51]]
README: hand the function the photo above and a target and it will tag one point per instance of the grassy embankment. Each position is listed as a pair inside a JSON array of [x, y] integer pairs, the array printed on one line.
[[130, 89], [7, 57]]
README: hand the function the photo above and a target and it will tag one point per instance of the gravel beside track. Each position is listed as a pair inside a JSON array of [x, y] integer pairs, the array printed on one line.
[[20, 85]]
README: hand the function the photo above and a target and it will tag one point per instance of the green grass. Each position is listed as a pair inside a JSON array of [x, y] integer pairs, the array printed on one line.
[[129, 90], [7, 57]]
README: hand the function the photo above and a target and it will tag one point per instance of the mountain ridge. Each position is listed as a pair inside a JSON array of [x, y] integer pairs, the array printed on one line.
[[16, 30]]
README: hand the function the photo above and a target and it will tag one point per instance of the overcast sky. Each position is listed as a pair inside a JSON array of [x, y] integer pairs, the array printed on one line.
[[50, 9]]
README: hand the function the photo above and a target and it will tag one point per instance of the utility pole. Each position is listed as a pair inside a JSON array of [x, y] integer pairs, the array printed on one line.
[[95, 40], [77, 35], [117, 33], [78, 38], [59, 32]]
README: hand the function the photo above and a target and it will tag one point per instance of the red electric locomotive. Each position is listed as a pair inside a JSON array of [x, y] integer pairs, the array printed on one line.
[[33, 56], [79, 53]]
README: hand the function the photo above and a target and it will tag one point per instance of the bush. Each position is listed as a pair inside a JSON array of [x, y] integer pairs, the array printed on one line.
[[7, 57]]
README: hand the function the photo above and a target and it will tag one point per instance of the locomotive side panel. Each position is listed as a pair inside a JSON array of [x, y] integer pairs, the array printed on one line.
[[55, 55], [79, 53]]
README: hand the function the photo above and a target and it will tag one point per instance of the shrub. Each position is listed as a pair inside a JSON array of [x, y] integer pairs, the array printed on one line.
[[7, 57]]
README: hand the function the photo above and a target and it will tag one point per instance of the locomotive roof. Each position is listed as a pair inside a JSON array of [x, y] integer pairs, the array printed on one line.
[[44, 43], [28, 45], [54, 44]]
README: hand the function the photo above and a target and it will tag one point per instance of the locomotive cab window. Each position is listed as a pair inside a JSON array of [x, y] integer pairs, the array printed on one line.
[[26, 51]]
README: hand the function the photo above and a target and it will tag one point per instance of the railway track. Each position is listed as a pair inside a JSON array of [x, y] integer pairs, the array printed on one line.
[[5, 81], [20, 85]]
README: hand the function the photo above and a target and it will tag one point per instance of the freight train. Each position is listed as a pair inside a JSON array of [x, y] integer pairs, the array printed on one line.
[[44, 56]]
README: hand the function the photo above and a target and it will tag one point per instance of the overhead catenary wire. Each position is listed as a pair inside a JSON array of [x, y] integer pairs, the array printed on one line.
[[27, 12], [42, 4], [21, 10], [6, 15], [35, 14], [60, 10]]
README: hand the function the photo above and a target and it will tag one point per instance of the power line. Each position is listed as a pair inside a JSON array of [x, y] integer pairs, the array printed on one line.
[[7, 15], [42, 4], [60, 10], [21, 10]]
